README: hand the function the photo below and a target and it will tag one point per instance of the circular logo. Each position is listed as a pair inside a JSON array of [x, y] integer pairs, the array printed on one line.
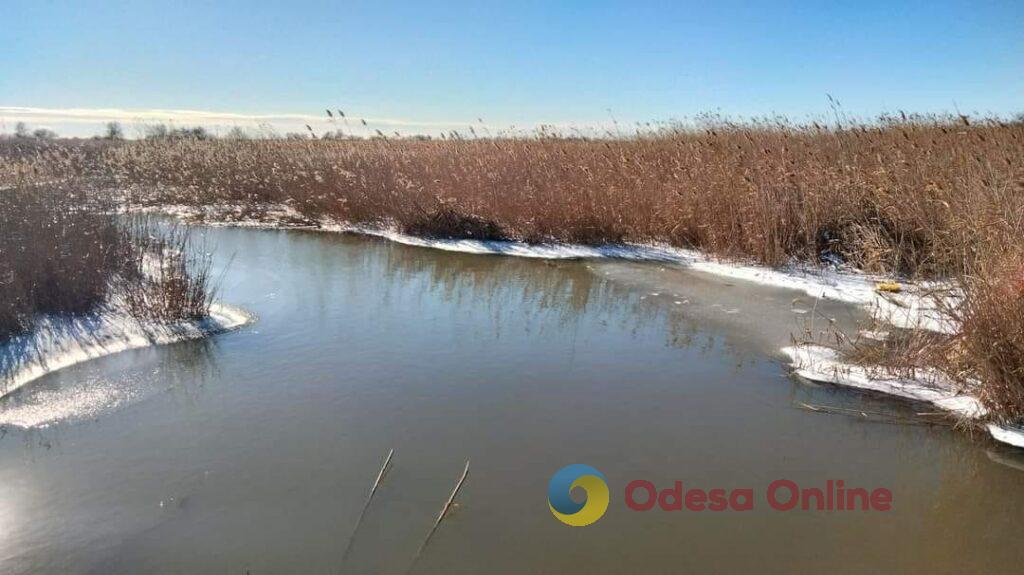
[[591, 481]]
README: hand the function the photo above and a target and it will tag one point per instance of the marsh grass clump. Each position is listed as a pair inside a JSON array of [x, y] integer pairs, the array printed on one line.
[[991, 341], [984, 357], [55, 258], [168, 278], [449, 223], [61, 255]]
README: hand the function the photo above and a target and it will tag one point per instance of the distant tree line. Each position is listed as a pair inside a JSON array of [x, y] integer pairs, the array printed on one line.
[[114, 131], [21, 130]]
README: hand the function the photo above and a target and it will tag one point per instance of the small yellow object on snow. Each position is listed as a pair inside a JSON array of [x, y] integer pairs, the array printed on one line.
[[891, 287]]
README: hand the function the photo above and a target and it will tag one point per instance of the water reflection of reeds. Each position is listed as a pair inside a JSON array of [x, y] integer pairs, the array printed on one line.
[[539, 293]]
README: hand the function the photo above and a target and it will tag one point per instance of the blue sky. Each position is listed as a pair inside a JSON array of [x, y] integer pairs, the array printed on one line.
[[416, 67]]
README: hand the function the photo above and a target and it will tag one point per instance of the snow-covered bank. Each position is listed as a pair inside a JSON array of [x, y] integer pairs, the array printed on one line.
[[1009, 434], [914, 307], [823, 364], [58, 343]]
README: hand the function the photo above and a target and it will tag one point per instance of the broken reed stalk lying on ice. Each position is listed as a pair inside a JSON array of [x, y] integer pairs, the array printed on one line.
[[871, 416]]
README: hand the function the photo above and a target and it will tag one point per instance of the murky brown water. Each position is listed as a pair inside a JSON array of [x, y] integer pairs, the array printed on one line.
[[254, 451]]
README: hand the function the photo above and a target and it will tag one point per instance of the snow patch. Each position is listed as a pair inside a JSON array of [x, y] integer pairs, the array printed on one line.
[[1009, 434], [58, 343], [823, 364]]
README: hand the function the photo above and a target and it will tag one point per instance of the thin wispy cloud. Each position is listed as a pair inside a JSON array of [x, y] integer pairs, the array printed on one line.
[[91, 115], [87, 121]]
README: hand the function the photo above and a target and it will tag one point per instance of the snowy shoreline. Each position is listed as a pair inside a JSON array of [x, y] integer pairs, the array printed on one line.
[[913, 308], [55, 344], [916, 306], [824, 365]]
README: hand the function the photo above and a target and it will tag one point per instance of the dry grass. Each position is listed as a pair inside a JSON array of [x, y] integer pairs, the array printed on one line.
[[928, 197], [168, 279], [992, 338], [907, 197], [53, 259], [58, 259]]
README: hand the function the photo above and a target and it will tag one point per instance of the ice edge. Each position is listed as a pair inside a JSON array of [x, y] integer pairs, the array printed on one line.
[[822, 364], [57, 344]]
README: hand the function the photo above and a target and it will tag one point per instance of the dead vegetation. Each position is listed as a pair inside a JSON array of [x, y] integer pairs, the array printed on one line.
[[991, 342], [59, 259]]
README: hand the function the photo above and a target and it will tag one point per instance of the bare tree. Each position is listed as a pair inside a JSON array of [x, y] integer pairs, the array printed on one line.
[[21, 130], [113, 131], [237, 133]]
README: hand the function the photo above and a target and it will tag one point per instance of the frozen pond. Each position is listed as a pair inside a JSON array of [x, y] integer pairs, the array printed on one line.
[[253, 451]]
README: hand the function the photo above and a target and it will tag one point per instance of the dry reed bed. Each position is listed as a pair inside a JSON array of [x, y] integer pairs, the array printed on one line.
[[926, 197], [60, 260]]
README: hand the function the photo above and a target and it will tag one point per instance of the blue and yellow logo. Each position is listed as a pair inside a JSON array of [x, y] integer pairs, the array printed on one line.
[[591, 481]]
